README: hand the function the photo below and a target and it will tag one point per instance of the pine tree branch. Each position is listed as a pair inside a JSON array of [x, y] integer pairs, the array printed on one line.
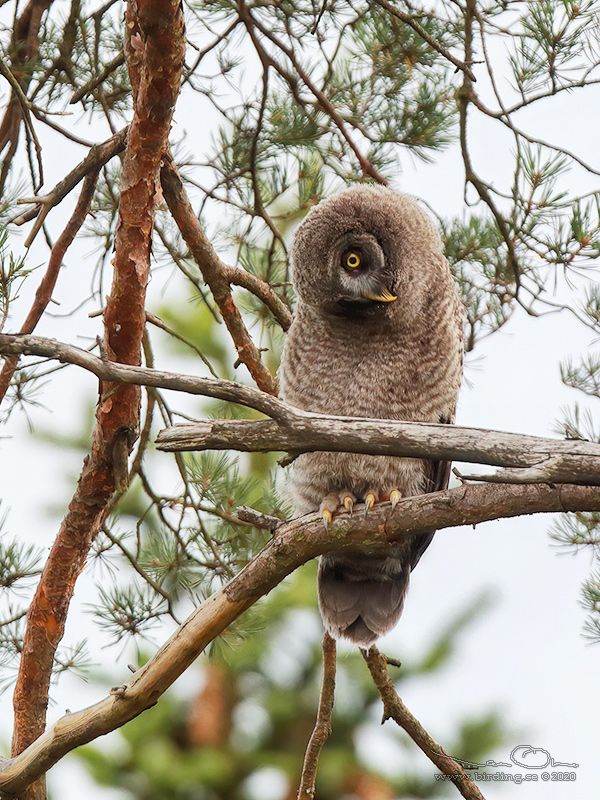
[[293, 544], [322, 729], [44, 291], [394, 708], [157, 68], [14, 344], [526, 459], [214, 273], [409, 19]]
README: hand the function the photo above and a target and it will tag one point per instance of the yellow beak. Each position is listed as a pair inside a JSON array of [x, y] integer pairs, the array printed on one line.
[[384, 297]]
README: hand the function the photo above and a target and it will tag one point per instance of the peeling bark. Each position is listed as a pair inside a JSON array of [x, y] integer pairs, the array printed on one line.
[[157, 32]]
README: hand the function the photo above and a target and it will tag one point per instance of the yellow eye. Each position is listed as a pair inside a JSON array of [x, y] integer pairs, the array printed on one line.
[[353, 261]]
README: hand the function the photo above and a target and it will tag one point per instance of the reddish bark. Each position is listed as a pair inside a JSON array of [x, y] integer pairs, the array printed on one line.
[[24, 47], [215, 273], [156, 44]]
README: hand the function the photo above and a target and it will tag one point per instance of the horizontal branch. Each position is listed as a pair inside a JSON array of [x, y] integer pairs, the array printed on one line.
[[295, 543], [18, 344], [526, 459], [532, 459]]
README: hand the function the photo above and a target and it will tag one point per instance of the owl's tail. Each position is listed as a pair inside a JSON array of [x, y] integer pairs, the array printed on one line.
[[360, 595]]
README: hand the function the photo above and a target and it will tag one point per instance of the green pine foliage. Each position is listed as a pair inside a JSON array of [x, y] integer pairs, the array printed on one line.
[[254, 709]]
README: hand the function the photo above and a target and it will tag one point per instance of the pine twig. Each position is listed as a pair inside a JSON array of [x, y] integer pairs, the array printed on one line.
[[322, 729], [97, 79], [394, 708], [214, 273], [409, 20], [48, 282]]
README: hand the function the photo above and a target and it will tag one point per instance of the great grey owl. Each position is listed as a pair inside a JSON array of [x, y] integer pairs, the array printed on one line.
[[377, 332]]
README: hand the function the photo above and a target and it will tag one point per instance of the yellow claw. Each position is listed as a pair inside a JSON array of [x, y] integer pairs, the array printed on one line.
[[326, 514], [369, 502], [395, 496], [348, 503]]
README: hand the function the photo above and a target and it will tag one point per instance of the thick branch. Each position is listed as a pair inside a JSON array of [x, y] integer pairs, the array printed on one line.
[[156, 60], [528, 458], [394, 708], [533, 459], [295, 543]]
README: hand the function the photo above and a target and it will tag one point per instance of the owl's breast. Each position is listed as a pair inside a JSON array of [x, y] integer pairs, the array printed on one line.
[[366, 374]]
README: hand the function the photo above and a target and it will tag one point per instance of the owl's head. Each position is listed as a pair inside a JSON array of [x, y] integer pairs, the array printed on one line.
[[359, 252]]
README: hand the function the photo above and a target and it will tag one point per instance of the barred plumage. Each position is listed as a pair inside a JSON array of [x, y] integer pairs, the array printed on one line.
[[377, 333]]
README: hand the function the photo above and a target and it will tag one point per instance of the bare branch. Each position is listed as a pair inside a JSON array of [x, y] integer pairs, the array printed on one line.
[[96, 158], [394, 708], [529, 458], [214, 273], [295, 543], [257, 518], [532, 459], [322, 729], [15, 344]]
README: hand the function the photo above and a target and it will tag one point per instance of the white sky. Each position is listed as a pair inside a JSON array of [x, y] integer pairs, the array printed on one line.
[[525, 655]]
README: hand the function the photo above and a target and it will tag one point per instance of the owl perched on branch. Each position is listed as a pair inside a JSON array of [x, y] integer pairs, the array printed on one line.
[[377, 333]]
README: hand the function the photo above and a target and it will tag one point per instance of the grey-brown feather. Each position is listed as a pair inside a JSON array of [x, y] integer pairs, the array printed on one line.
[[395, 360]]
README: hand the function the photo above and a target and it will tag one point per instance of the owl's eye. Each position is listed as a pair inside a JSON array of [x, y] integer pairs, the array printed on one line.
[[352, 260]]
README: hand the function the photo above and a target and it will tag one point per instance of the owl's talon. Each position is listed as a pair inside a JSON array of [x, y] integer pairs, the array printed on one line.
[[349, 503], [326, 514], [395, 496], [369, 502]]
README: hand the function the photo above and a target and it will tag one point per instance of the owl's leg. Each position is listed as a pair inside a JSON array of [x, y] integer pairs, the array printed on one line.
[[374, 496], [333, 501]]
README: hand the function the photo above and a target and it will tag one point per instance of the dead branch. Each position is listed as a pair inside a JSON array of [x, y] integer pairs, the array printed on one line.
[[322, 729], [214, 273], [99, 155], [257, 518], [527, 459], [294, 543], [531, 459], [394, 708], [48, 282], [157, 68], [14, 344]]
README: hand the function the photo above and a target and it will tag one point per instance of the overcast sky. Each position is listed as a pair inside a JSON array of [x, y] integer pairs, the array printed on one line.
[[525, 655]]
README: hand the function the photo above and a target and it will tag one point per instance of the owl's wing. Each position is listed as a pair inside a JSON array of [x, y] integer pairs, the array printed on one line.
[[437, 477]]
